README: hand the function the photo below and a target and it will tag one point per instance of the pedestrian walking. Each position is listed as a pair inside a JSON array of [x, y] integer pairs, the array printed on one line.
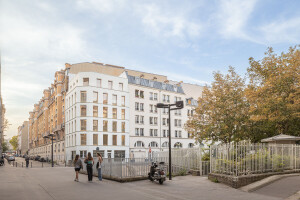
[[77, 166], [89, 166], [98, 166], [27, 160]]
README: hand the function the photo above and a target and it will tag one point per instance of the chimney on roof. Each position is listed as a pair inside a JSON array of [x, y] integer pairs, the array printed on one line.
[[142, 76]]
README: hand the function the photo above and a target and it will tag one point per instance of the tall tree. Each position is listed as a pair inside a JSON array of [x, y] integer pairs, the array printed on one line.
[[274, 93], [14, 142], [222, 112], [4, 146]]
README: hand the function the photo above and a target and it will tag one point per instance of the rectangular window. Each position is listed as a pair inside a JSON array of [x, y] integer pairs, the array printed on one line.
[[151, 96], [151, 132], [114, 113], [141, 119], [114, 140], [105, 98], [137, 131], [83, 96], [123, 114], [141, 107], [155, 120], [85, 81], [82, 110], [123, 100], [105, 112], [168, 98], [95, 97], [114, 100], [95, 125], [99, 83], [137, 93], [179, 134], [121, 86], [105, 139], [164, 133], [115, 125], [123, 140], [95, 139], [155, 96], [175, 122], [83, 154], [176, 134], [151, 108], [179, 122], [105, 125], [110, 85], [83, 125], [155, 109], [151, 120], [95, 111], [164, 98], [142, 94], [155, 132], [141, 132], [82, 139], [123, 127], [137, 106], [137, 119]]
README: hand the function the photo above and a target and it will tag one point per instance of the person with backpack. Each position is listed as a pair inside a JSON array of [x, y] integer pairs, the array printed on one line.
[[78, 166], [89, 166], [98, 166]]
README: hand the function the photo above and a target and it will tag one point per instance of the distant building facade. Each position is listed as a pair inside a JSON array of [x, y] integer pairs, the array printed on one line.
[[23, 135], [96, 107]]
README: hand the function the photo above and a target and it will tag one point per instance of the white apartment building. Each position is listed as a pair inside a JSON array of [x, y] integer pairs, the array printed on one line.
[[97, 111], [149, 125]]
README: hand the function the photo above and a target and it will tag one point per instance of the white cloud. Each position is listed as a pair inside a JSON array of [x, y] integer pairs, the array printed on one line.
[[233, 16], [287, 30], [102, 6], [163, 23]]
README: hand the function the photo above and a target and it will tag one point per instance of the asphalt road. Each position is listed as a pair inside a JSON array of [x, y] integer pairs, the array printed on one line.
[[58, 183], [282, 188]]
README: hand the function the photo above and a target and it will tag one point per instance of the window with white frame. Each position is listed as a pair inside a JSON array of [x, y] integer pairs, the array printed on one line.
[[155, 132], [155, 97], [137, 106], [137, 119], [153, 144], [151, 96], [151, 120], [139, 144], [99, 83], [121, 86], [110, 85]]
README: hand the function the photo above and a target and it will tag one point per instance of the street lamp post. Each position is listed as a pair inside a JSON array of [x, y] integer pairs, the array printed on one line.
[[179, 105], [51, 136]]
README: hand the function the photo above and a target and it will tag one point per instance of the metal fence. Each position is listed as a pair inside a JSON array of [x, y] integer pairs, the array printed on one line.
[[245, 158], [120, 168], [185, 160]]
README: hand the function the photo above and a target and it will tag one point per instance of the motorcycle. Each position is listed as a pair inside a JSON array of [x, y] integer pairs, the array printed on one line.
[[157, 173], [1, 162]]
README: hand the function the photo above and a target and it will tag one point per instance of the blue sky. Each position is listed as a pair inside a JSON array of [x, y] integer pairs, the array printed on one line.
[[185, 40]]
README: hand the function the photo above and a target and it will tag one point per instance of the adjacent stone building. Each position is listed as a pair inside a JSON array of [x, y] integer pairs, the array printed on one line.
[[23, 135]]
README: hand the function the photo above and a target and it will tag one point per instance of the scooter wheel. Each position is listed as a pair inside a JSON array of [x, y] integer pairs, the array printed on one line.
[[161, 181]]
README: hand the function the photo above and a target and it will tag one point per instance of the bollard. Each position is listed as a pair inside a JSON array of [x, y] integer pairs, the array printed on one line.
[[22, 164], [65, 163], [31, 164], [42, 164], [13, 163], [16, 164]]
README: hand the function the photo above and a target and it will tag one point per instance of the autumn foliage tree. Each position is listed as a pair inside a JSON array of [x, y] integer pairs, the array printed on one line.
[[14, 142], [268, 105], [222, 112], [274, 94]]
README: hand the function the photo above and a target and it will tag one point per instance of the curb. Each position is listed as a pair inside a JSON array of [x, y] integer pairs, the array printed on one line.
[[294, 196], [259, 184]]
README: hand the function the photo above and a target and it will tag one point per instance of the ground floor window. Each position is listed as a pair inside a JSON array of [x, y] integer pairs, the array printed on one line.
[[98, 151], [119, 154], [83, 154]]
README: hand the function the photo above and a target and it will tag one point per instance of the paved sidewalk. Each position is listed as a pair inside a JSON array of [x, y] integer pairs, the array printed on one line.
[[58, 183], [282, 188]]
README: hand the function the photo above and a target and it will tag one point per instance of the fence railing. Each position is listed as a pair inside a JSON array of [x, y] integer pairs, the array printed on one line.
[[245, 158]]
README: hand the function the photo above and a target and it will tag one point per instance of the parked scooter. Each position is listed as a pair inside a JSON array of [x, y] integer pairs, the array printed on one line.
[[157, 173]]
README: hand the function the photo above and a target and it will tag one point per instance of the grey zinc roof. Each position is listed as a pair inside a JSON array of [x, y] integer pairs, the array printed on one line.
[[154, 84]]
